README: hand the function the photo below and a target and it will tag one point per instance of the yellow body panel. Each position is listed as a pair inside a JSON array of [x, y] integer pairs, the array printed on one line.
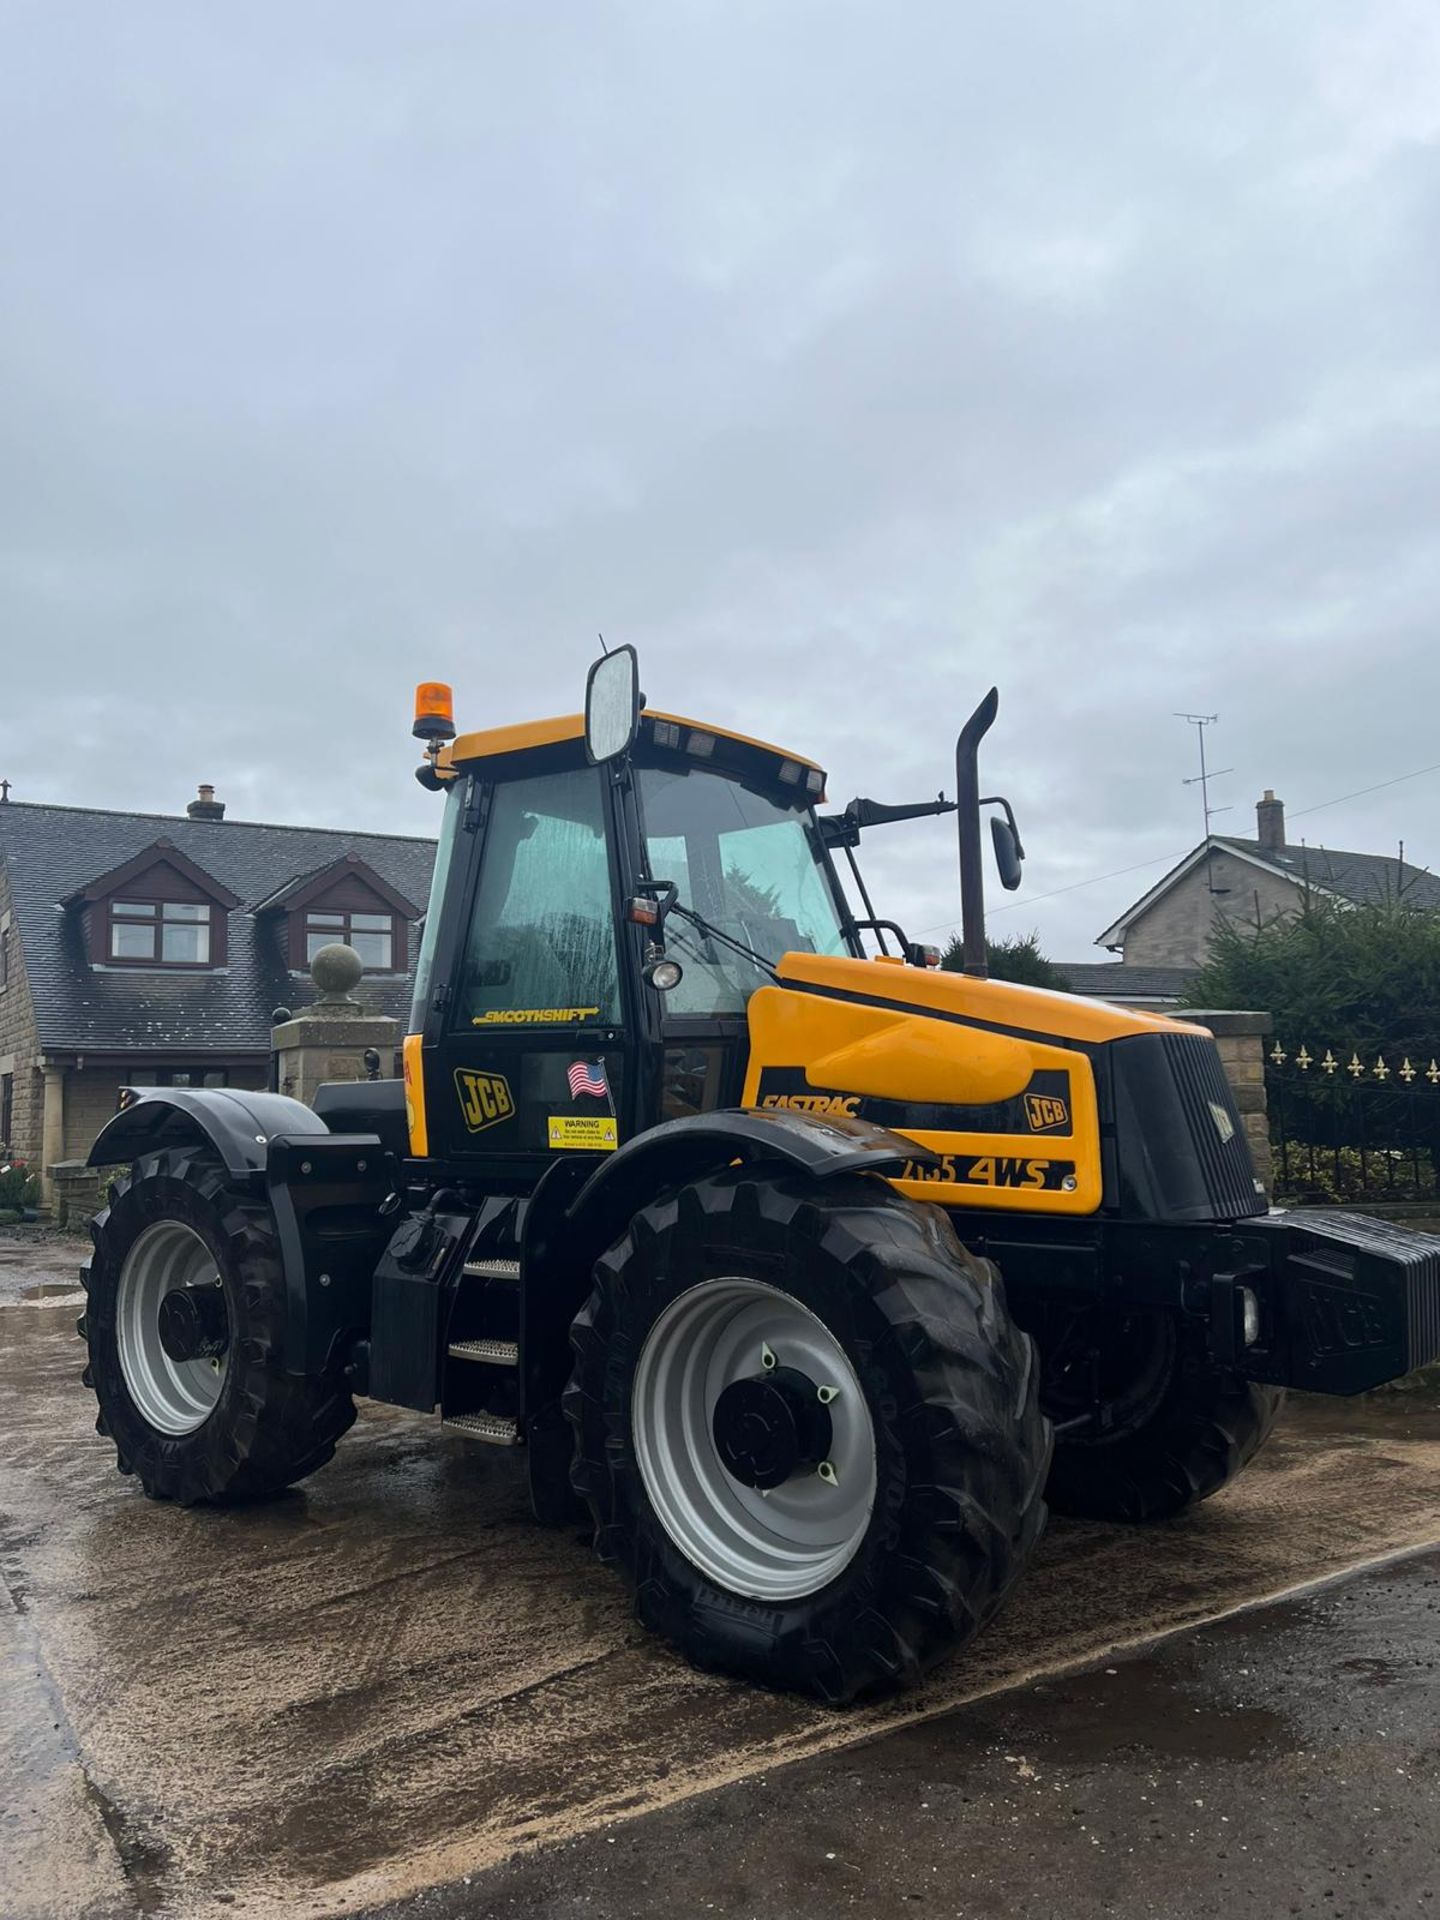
[[997, 1002], [414, 1074], [571, 726], [495, 741], [1011, 1115], [889, 1055]]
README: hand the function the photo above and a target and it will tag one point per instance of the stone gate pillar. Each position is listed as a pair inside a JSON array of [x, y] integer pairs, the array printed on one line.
[[328, 1039]]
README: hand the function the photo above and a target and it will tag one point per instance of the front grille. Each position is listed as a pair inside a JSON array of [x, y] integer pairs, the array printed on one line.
[[1209, 1105]]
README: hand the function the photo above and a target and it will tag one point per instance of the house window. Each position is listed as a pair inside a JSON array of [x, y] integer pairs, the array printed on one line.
[[178, 1077], [7, 1108], [4, 961], [372, 935], [167, 933]]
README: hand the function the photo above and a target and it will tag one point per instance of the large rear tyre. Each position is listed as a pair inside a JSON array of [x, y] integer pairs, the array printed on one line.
[[807, 1430], [183, 1325], [1179, 1427]]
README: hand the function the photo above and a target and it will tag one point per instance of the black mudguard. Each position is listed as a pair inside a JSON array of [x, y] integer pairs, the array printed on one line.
[[681, 1150], [239, 1125], [324, 1191]]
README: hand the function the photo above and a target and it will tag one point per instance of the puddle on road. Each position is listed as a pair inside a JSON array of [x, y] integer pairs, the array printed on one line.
[[53, 1290], [392, 1677]]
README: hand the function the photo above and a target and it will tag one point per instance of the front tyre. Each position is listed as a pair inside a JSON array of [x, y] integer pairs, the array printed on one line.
[[1173, 1427], [807, 1430], [183, 1325]]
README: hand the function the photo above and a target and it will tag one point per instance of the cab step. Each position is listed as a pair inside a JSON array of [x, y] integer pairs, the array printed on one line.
[[491, 1353], [492, 1269], [492, 1428]]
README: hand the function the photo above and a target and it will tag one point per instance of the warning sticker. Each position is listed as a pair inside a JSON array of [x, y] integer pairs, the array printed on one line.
[[594, 1133]]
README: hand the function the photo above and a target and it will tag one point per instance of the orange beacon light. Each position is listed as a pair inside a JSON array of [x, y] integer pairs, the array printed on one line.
[[434, 711]]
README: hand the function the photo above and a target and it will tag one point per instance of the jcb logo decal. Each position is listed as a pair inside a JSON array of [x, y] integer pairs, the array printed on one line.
[[1045, 1113], [485, 1098]]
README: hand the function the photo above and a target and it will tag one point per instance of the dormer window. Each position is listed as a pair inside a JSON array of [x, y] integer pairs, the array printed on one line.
[[372, 935], [156, 910], [346, 903], [167, 933]]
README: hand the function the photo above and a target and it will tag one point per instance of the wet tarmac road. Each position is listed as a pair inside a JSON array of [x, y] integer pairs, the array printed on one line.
[[1284, 1761], [391, 1679]]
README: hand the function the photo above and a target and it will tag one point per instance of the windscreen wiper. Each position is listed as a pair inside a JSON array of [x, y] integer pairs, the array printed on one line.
[[699, 922]]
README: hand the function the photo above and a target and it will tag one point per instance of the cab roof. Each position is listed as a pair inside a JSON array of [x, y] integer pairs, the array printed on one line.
[[496, 741]]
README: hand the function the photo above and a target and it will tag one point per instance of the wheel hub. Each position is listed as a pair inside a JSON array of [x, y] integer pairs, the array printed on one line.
[[754, 1438], [770, 1427], [172, 1327], [192, 1323]]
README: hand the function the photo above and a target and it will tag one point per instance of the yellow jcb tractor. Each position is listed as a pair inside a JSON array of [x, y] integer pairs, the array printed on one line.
[[808, 1277]]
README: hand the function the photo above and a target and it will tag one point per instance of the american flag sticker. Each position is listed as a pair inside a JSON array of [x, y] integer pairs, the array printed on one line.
[[588, 1076]]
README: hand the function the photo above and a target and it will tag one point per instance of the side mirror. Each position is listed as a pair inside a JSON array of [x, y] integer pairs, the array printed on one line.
[[1008, 851], [612, 705]]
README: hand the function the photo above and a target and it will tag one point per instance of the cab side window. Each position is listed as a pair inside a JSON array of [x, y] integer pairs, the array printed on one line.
[[542, 935]]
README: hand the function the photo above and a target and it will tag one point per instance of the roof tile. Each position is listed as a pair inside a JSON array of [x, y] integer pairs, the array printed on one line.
[[1365, 879], [52, 852]]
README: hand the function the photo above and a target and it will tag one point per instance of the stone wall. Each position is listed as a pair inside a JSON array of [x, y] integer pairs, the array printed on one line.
[[19, 1049], [1176, 931], [1240, 1038], [90, 1095]]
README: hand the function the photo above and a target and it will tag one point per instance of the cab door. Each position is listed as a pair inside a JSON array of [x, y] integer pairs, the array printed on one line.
[[525, 1056]]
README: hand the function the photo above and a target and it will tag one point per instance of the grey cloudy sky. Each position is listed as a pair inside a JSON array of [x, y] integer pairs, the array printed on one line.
[[844, 357]]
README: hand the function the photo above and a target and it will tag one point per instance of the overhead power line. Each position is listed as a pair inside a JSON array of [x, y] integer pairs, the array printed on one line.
[[1118, 873], [1032, 899], [1163, 859], [1297, 812]]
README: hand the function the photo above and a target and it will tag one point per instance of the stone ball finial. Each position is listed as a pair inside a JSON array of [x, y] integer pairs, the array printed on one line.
[[336, 971]]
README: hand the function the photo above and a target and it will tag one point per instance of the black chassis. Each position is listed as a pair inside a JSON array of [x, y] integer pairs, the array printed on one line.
[[1342, 1302], [374, 1247]]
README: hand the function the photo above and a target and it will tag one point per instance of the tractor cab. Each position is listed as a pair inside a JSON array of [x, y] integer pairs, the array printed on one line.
[[597, 928]]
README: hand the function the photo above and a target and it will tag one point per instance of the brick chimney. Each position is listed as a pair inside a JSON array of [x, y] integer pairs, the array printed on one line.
[[207, 807], [1269, 822]]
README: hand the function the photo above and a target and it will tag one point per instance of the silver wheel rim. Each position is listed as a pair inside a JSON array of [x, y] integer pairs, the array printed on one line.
[[176, 1396], [780, 1545]]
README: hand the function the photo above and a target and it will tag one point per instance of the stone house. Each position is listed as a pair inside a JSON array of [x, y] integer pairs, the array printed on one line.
[[1151, 989], [1163, 938], [151, 949]]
